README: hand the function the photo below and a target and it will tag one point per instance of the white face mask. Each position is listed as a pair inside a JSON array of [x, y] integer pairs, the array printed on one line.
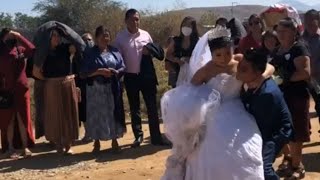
[[186, 31]]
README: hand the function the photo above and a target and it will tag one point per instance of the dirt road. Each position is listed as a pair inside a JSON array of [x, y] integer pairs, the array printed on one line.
[[144, 163]]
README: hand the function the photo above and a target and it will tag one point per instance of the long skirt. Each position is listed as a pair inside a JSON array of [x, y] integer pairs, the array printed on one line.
[[61, 121], [22, 106], [101, 123]]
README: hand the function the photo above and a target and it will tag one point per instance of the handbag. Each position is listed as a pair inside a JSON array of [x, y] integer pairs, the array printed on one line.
[[6, 99]]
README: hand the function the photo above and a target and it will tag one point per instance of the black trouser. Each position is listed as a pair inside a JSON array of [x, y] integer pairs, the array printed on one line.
[[82, 105], [135, 84], [270, 150]]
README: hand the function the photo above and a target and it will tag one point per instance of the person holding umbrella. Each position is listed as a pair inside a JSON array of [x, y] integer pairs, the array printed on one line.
[[54, 68]]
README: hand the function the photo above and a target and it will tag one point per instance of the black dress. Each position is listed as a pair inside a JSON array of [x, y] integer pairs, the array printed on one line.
[[296, 94], [179, 52]]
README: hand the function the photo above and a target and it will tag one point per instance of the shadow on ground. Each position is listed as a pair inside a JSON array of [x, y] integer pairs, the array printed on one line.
[[311, 162], [48, 159]]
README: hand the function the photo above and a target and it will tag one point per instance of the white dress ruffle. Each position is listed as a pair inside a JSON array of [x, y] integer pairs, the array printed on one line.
[[213, 136], [187, 130]]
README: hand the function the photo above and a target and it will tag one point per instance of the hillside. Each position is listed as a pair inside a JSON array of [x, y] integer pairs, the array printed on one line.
[[240, 11]]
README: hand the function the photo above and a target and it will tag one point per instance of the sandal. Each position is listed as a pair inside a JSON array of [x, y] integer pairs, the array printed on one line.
[[68, 153], [68, 150], [284, 168], [297, 173], [12, 154], [26, 153]]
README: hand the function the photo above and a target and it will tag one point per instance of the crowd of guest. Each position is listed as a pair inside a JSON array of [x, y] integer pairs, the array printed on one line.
[[82, 79], [78, 80]]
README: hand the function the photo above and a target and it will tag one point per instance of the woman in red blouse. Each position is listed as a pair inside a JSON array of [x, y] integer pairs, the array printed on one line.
[[14, 79], [253, 39]]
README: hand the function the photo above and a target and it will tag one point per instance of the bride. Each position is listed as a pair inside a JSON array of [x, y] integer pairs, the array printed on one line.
[[212, 134]]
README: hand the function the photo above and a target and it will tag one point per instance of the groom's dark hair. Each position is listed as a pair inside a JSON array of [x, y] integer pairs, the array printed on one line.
[[257, 58]]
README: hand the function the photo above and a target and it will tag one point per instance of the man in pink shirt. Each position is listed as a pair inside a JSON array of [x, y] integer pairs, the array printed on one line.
[[131, 42]]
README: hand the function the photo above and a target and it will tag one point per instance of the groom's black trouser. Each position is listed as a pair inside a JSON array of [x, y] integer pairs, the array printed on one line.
[[134, 84], [270, 150]]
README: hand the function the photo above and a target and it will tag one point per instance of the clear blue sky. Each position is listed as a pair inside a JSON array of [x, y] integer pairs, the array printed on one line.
[[25, 6]]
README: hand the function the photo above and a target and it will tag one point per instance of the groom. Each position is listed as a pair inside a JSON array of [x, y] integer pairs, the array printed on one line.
[[265, 102]]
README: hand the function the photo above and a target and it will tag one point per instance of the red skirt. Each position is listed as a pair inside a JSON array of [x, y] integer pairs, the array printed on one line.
[[22, 106]]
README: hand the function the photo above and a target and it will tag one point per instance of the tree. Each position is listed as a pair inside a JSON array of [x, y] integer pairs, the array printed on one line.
[[179, 4], [86, 15], [83, 15], [208, 18], [25, 22], [162, 25], [6, 20]]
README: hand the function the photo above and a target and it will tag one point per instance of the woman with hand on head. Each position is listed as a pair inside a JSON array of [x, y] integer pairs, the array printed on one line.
[[14, 49]]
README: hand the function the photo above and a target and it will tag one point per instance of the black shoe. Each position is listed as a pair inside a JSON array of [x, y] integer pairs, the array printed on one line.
[[137, 142]]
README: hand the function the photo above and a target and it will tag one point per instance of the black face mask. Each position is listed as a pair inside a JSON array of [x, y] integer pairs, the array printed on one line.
[[11, 43]]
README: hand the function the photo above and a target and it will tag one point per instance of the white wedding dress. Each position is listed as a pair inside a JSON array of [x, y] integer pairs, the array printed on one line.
[[183, 74], [213, 136]]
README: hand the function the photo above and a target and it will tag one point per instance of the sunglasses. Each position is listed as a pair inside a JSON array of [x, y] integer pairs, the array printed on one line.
[[254, 23], [88, 39]]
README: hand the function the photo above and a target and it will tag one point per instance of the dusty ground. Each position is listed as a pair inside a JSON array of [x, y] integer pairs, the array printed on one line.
[[144, 163]]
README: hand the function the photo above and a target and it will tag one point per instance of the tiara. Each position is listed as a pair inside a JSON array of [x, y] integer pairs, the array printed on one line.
[[218, 32]]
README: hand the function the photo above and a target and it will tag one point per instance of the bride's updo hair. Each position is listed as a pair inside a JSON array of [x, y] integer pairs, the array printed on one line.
[[218, 38]]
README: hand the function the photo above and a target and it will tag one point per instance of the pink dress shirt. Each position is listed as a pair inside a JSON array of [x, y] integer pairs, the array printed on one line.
[[130, 47]]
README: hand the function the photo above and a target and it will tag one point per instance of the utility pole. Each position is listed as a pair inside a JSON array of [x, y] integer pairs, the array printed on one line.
[[232, 5]]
